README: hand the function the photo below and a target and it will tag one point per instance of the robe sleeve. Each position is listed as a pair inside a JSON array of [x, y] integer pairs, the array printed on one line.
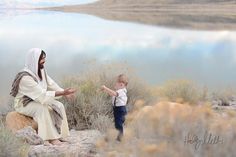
[[29, 87], [52, 85]]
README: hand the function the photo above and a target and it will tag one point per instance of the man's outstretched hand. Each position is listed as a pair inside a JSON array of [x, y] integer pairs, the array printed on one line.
[[70, 94], [66, 92], [69, 91]]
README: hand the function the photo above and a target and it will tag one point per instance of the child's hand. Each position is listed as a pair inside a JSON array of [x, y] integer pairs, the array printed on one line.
[[103, 87]]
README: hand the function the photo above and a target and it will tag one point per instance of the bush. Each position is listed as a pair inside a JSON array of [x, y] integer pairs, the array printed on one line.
[[91, 106], [182, 91], [173, 129], [6, 105], [10, 145], [101, 122]]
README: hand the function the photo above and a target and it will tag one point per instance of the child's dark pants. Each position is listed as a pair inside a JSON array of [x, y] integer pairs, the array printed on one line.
[[119, 116]]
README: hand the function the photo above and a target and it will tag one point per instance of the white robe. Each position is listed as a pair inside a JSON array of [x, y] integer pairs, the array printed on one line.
[[43, 94]]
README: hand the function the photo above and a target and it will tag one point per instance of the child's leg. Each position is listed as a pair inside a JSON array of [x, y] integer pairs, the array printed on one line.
[[119, 115], [121, 126], [116, 118]]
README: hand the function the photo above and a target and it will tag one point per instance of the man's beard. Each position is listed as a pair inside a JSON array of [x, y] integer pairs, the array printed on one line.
[[41, 66]]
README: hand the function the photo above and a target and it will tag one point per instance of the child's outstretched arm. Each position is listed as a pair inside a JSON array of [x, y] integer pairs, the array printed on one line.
[[109, 91]]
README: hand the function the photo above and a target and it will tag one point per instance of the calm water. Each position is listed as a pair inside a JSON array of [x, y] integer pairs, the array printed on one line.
[[157, 54], [40, 3]]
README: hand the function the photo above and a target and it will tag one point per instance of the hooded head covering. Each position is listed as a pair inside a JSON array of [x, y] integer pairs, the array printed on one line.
[[31, 69], [31, 61]]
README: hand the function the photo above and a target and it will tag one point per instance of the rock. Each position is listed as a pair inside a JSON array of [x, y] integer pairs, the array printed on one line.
[[30, 136], [81, 144], [223, 100], [16, 121], [218, 107], [232, 103]]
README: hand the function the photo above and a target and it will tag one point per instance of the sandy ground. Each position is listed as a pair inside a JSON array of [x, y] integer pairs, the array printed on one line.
[[205, 16]]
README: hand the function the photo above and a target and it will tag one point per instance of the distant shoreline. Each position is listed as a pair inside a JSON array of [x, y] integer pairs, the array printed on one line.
[[203, 16]]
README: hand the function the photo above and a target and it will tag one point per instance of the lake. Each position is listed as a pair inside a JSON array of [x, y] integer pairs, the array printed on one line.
[[156, 53], [40, 3]]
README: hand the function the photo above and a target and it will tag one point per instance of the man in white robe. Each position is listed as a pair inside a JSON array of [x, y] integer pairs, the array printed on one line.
[[41, 92]]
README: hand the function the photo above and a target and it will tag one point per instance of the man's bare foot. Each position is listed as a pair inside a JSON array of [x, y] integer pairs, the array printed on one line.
[[47, 143], [56, 142], [63, 140]]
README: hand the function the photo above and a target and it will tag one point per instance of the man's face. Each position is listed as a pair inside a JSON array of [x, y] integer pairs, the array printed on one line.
[[41, 62]]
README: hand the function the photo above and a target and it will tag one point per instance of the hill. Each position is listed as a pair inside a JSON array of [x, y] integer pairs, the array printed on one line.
[[189, 14]]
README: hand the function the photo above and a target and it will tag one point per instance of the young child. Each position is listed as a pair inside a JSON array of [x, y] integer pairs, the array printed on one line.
[[119, 101]]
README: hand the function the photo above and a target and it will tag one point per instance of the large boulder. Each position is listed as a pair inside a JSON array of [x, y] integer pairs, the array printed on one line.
[[16, 121], [29, 135]]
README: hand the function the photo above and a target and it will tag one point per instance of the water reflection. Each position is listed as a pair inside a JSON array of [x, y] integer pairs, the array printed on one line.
[[158, 54], [40, 3]]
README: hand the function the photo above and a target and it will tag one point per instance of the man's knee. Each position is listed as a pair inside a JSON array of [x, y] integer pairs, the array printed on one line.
[[43, 108], [59, 105]]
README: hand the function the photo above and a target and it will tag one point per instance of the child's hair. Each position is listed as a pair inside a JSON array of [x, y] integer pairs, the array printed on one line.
[[122, 78]]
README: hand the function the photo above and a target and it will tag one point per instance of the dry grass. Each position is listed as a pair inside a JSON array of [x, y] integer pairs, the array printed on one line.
[[10, 145], [171, 129], [6, 105], [151, 129], [92, 108], [183, 91]]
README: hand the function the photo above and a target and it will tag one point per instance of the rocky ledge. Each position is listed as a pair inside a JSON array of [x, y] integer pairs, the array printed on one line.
[[80, 144]]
